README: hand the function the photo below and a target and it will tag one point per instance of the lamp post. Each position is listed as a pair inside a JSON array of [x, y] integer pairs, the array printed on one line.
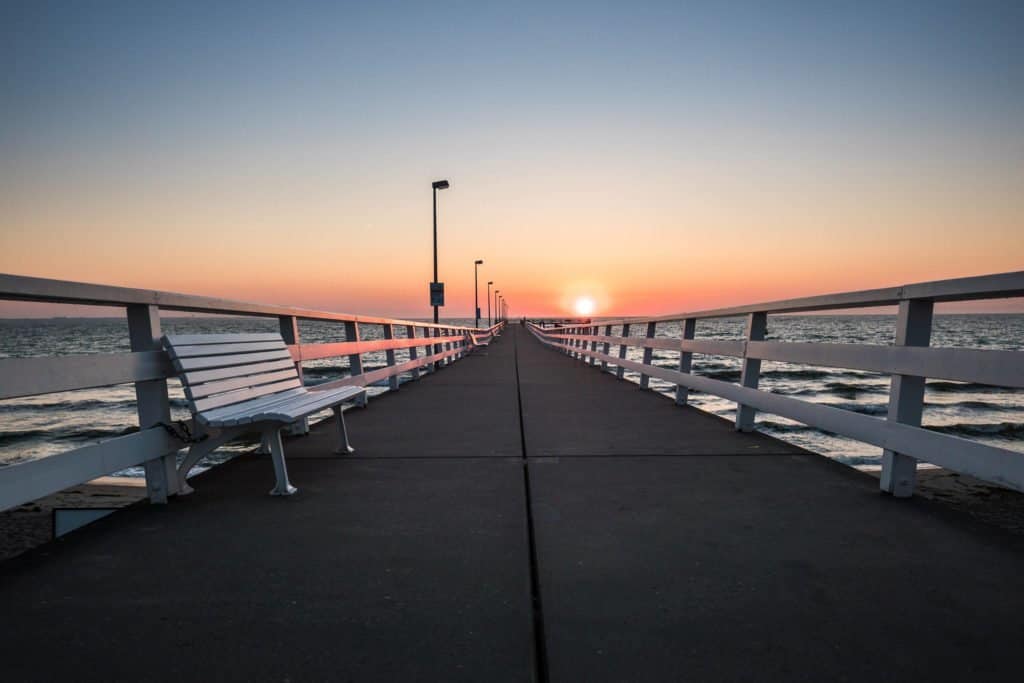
[[496, 314], [476, 291], [436, 185], [489, 283]]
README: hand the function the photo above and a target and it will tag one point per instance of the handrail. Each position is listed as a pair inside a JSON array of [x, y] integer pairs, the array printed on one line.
[[148, 367], [25, 288], [909, 361]]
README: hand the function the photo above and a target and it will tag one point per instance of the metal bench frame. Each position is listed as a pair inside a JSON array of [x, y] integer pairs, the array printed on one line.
[[241, 383]]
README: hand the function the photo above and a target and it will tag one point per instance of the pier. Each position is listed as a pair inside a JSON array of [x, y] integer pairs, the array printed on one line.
[[518, 514]]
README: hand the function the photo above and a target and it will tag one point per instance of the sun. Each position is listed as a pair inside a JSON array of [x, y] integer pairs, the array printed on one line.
[[584, 305]]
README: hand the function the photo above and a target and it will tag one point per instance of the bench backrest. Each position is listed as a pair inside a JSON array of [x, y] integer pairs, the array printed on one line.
[[223, 369]]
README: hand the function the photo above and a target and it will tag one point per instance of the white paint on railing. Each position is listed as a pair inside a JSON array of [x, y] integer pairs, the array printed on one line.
[[619, 369], [685, 359], [153, 403], [757, 326], [906, 396], [645, 379]]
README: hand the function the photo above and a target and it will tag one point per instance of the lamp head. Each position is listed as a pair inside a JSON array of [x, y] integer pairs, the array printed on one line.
[[478, 262], [490, 282], [440, 184]]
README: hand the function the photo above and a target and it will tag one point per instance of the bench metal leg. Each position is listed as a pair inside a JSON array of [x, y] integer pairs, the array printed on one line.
[[196, 453], [264, 448], [282, 487], [343, 445]]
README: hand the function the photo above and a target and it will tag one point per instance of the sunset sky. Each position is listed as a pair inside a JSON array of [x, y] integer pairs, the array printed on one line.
[[656, 157]]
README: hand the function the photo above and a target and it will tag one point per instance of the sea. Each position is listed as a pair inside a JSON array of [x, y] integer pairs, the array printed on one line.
[[39, 426]]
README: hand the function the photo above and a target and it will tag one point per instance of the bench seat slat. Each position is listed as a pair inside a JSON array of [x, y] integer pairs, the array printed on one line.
[[232, 397], [187, 364], [224, 349], [289, 409], [198, 391], [190, 339], [290, 412], [211, 416], [199, 376]]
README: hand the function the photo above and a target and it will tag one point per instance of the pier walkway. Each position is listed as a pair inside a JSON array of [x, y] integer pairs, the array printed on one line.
[[520, 516]]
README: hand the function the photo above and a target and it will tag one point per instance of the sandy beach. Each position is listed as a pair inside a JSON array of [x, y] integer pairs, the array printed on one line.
[[31, 524]]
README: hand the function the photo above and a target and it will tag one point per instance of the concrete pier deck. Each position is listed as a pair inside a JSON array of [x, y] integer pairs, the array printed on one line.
[[518, 516]]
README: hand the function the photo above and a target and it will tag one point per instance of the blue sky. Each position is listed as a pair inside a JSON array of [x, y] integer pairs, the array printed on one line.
[[179, 114]]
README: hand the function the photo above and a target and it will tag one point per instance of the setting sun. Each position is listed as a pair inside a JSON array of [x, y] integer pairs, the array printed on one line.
[[584, 305]]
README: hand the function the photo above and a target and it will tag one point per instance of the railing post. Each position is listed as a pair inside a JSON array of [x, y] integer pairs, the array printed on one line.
[[152, 401], [685, 360], [622, 351], [595, 330], [906, 396], [645, 380], [757, 325], [355, 360], [389, 333], [435, 348], [289, 327], [607, 347], [410, 332]]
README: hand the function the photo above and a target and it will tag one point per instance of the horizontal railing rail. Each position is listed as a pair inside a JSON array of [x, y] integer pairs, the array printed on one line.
[[428, 346], [909, 361]]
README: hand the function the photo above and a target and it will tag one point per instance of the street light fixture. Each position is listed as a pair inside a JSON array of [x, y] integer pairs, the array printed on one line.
[[476, 291], [496, 305], [489, 283], [436, 288]]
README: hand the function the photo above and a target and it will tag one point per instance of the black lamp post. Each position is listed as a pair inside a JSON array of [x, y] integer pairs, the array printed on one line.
[[489, 283], [437, 185], [476, 291]]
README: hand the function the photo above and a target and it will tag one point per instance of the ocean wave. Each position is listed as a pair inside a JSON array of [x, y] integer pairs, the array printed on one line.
[[972, 387], [66, 404], [723, 375], [1005, 430], [307, 369], [975, 405], [852, 390], [785, 427], [21, 436]]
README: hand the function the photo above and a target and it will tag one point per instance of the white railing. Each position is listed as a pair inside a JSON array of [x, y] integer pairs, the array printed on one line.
[[910, 361], [148, 367]]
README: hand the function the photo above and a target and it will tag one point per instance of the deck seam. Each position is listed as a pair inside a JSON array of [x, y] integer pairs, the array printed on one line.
[[539, 638]]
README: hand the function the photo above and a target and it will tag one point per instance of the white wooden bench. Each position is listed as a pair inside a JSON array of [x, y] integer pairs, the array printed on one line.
[[478, 339], [239, 383]]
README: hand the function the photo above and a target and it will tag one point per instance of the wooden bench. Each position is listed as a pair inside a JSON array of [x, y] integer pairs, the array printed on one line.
[[239, 383], [478, 339]]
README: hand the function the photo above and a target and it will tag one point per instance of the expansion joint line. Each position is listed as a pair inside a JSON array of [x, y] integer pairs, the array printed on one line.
[[539, 640]]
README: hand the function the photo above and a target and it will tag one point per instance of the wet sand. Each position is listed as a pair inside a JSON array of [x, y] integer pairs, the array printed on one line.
[[31, 524]]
